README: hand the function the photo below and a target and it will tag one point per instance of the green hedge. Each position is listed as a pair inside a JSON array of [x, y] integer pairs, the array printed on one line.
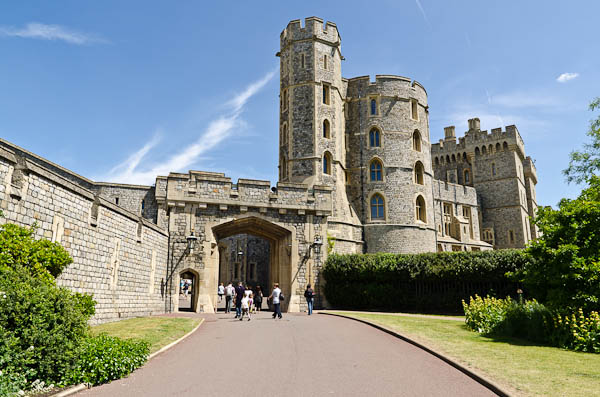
[[432, 282]]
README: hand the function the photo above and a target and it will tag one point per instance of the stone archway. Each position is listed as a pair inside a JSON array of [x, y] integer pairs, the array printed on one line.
[[193, 292], [282, 253]]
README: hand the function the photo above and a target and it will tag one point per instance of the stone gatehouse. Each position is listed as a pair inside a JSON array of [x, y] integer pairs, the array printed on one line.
[[357, 167]]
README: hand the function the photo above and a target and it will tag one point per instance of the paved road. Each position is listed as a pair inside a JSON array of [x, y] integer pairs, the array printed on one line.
[[299, 355]]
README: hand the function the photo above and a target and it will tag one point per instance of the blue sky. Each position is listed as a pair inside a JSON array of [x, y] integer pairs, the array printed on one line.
[[124, 90]]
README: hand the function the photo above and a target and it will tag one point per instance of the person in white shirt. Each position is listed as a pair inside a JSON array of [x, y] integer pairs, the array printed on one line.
[[221, 292], [229, 292], [276, 299], [245, 307]]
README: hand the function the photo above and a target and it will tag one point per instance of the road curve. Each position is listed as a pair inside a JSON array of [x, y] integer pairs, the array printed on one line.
[[299, 355]]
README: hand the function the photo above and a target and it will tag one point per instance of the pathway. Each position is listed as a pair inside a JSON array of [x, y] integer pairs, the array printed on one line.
[[299, 355]]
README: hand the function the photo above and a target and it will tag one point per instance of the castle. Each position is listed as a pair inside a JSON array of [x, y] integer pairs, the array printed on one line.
[[357, 174]]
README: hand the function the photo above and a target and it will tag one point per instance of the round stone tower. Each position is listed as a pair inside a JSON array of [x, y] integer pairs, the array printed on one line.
[[311, 126], [389, 163]]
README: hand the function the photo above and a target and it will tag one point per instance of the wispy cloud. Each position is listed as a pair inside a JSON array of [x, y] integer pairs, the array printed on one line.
[[423, 12], [219, 129], [40, 31], [563, 78]]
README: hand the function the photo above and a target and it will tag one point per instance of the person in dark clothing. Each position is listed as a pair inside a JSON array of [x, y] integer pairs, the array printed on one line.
[[239, 295], [258, 297], [309, 295]]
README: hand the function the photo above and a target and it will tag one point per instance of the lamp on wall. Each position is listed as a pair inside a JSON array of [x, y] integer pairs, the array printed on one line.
[[191, 240], [317, 244]]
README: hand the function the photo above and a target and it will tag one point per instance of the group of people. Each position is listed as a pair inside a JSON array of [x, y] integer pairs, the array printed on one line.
[[248, 300]]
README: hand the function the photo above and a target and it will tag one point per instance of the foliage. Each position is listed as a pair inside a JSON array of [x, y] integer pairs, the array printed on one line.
[[586, 163], [424, 282], [566, 274], [42, 258], [330, 243], [576, 331], [105, 358], [484, 314], [42, 326]]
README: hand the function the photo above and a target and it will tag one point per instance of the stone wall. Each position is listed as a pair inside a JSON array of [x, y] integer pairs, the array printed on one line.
[[118, 257]]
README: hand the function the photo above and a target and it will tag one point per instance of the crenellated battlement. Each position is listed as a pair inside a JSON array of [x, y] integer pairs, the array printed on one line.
[[474, 138], [314, 28], [212, 188], [386, 85]]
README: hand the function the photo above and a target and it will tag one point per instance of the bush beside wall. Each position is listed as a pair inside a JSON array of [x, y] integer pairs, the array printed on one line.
[[432, 282]]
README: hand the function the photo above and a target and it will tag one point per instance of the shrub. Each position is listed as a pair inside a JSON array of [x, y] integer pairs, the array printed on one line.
[[105, 358], [432, 282], [576, 331], [483, 315]]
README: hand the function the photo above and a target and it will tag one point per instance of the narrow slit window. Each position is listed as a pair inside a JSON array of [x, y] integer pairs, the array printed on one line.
[[326, 129], [326, 93], [302, 60], [373, 106], [413, 109], [325, 62]]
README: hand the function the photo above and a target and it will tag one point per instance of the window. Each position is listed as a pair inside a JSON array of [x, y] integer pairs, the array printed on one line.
[[377, 207], [326, 129], [420, 209], [326, 94], [373, 106], [374, 138], [453, 158], [116, 200], [285, 100], [447, 218], [483, 150], [447, 159], [437, 161], [376, 170], [505, 146], [491, 148], [477, 151], [467, 216], [302, 61], [488, 236], [284, 171], [498, 147], [414, 114], [327, 163], [284, 133], [493, 169], [511, 236], [419, 173], [467, 177], [143, 204], [417, 141], [325, 62]]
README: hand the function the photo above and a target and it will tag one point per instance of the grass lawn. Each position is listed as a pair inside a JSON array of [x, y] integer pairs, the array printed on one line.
[[526, 368], [158, 331]]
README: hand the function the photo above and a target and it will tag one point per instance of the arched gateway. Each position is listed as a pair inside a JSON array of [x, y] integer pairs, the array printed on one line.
[[202, 209]]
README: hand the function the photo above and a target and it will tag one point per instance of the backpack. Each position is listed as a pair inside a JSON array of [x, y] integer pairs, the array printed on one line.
[[281, 296]]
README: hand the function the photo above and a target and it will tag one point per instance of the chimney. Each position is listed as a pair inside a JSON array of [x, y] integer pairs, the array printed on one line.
[[474, 124], [449, 133]]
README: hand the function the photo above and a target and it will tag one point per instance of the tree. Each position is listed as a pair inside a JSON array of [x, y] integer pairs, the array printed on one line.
[[586, 163], [566, 274]]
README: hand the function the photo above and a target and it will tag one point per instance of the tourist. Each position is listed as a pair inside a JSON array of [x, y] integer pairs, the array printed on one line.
[[239, 295], [258, 299], [275, 297], [309, 295], [245, 307], [221, 292], [229, 292]]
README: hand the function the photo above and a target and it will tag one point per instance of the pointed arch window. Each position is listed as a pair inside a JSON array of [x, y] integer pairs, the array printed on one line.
[[373, 106], [327, 163], [419, 169], [326, 129], [420, 209], [377, 207], [498, 148], [376, 171], [505, 146], [477, 153], [375, 138], [416, 141], [467, 177], [437, 161]]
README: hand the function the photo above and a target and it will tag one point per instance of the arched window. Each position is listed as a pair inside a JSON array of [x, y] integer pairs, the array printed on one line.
[[483, 150], [453, 158], [420, 209], [377, 208], [491, 148], [493, 169], [498, 148], [373, 106], [505, 146], [417, 141], [448, 159], [374, 138], [284, 171], [477, 151], [326, 129], [467, 177], [437, 161], [442, 160], [419, 173], [327, 163], [464, 157], [376, 170]]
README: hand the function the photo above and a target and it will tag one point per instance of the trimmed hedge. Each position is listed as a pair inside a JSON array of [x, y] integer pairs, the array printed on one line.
[[432, 282]]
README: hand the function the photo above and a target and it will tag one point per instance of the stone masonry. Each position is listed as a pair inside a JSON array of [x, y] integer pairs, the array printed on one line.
[[356, 166]]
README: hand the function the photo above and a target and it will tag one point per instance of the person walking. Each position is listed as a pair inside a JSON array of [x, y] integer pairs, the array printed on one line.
[[239, 295], [229, 293], [258, 299], [276, 297], [309, 295], [221, 292], [246, 303]]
